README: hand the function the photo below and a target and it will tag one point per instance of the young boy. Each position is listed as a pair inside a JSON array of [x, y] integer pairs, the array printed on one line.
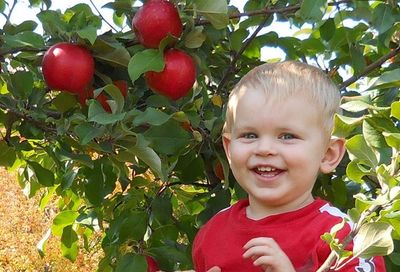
[[277, 138]]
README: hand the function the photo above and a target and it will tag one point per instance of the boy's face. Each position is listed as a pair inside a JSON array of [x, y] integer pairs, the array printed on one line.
[[276, 149]]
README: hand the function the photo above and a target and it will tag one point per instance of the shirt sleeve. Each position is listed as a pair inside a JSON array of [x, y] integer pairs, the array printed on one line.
[[375, 264]]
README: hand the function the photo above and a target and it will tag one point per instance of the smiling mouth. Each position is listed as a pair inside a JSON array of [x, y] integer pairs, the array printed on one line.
[[267, 171]]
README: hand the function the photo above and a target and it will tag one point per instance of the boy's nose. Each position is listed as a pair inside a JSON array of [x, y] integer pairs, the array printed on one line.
[[266, 147]]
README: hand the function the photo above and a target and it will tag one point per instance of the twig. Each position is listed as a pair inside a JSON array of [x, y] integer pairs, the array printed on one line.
[[41, 125], [101, 16], [348, 239], [11, 10], [378, 63], [232, 65], [264, 11], [21, 49]]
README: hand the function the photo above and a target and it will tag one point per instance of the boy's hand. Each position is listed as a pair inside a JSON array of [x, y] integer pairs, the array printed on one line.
[[212, 269], [266, 253]]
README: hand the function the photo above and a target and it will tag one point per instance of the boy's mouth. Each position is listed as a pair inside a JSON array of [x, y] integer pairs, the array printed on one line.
[[267, 171]]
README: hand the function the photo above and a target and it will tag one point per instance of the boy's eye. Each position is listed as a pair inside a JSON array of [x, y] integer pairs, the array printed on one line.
[[287, 136], [249, 136]]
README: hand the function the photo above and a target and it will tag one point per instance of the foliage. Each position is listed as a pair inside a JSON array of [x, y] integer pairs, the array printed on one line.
[[143, 174]]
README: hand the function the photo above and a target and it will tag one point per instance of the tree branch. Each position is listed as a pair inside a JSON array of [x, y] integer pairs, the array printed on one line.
[[264, 11], [348, 239], [101, 16], [11, 11], [378, 63], [21, 49], [41, 125], [232, 65]]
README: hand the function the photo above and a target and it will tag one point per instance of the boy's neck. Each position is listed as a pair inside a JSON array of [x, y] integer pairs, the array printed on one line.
[[256, 211]]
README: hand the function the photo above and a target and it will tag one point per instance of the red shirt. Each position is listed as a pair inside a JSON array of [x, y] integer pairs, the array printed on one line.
[[220, 241]]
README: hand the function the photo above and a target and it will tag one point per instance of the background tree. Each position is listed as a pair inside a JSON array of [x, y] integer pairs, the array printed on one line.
[[147, 170]]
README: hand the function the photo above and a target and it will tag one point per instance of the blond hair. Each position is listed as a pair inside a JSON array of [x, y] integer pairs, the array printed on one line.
[[284, 79]]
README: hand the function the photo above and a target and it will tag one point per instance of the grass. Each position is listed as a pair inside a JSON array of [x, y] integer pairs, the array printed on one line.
[[22, 226]]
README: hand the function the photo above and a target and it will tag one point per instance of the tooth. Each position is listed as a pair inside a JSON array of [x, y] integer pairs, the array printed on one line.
[[266, 169]]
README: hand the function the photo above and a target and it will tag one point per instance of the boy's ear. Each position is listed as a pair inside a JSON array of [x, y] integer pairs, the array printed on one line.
[[226, 141], [333, 155]]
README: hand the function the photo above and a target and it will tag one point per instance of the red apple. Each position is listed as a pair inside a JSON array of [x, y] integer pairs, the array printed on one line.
[[102, 98], [154, 21], [84, 95], [68, 67], [152, 265], [219, 170], [177, 78], [122, 86]]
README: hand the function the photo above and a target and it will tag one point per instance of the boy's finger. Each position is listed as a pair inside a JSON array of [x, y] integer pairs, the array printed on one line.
[[214, 269], [259, 241]]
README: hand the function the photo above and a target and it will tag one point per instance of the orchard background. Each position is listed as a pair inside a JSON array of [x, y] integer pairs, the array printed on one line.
[[143, 171]]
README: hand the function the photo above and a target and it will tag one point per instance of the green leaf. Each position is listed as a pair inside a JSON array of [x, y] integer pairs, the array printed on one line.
[[116, 96], [168, 138], [151, 116], [218, 20], [357, 59], [111, 51], [97, 114], [100, 181], [22, 84], [215, 203], [355, 172], [195, 38], [387, 80], [52, 21], [373, 239], [161, 208], [344, 125], [355, 106], [237, 38], [395, 110], [143, 61], [69, 243], [7, 154], [383, 17], [313, 9], [87, 132], [216, 11], [372, 135], [83, 159], [43, 175], [327, 30], [63, 219], [392, 139], [24, 39], [132, 262], [358, 148], [89, 33], [253, 51], [134, 226], [64, 101], [143, 153], [211, 6], [149, 157], [11, 29]]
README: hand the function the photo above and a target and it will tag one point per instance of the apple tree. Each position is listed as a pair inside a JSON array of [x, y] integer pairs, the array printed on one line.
[[123, 126]]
